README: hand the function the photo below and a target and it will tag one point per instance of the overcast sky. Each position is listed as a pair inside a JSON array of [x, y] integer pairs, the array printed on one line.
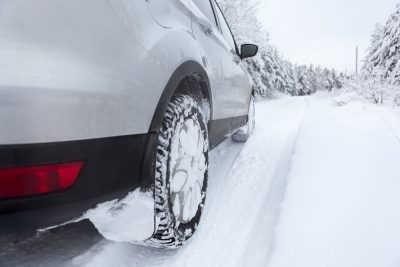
[[323, 32]]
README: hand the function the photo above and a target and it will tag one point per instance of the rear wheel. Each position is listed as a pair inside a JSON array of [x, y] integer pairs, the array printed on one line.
[[181, 173], [244, 133]]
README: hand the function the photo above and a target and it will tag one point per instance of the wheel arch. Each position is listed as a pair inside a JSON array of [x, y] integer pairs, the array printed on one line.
[[181, 82], [190, 70]]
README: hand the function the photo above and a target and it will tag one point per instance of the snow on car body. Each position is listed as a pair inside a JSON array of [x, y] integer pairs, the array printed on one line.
[[85, 92]]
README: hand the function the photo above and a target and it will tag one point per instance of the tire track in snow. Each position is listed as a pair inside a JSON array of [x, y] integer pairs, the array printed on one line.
[[259, 250]]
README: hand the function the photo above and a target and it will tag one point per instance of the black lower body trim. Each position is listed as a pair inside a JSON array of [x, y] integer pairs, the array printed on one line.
[[220, 129], [113, 167]]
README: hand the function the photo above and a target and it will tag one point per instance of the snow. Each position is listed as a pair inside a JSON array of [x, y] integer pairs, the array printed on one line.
[[270, 71], [341, 204], [316, 185], [383, 55], [188, 165], [240, 183], [132, 218]]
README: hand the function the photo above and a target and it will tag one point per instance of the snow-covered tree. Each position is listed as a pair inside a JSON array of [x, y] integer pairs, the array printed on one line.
[[384, 51], [374, 51], [290, 78], [304, 86], [380, 77], [245, 25], [270, 71]]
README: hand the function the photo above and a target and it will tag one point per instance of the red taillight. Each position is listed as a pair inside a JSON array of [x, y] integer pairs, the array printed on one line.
[[38, 180]]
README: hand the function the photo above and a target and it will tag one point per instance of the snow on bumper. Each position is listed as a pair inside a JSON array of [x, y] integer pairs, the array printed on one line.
[[129, 220]]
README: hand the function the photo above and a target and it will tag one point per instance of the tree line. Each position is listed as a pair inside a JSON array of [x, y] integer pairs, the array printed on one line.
[[270, 71]]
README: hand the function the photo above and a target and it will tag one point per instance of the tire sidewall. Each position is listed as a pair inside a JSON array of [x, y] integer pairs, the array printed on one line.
[[180, 109]]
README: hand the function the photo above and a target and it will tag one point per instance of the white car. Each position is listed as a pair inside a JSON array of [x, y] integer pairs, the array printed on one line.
[[102, 97]]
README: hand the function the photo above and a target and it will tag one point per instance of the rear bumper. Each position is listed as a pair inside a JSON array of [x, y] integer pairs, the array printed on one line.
[[113, 167]]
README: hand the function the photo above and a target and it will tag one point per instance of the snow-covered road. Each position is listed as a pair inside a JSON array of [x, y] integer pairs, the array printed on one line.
[[316, 185], [342, 201]]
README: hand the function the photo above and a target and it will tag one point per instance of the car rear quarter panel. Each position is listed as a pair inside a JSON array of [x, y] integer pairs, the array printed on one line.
[[84, 69]]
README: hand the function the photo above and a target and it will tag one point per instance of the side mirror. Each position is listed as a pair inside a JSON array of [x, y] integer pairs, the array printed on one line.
[[248, 50]]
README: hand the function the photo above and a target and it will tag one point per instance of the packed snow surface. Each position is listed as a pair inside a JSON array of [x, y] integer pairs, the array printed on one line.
[[316, 185], [341, 206]]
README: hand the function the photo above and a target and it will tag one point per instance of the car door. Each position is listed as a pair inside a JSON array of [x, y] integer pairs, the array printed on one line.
[[240, 82], [217, 59]]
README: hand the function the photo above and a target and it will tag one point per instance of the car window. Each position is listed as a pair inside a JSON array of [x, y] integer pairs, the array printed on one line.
[[207, 9], [226, 32]]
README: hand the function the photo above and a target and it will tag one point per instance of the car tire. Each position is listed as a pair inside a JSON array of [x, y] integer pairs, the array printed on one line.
[[246, 131], [181, 173]]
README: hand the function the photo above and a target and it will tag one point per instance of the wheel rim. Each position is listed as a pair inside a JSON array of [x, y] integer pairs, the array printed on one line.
[[188, 167]]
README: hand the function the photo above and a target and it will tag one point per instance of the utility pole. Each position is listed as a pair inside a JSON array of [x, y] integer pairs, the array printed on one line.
[[356, 60]]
